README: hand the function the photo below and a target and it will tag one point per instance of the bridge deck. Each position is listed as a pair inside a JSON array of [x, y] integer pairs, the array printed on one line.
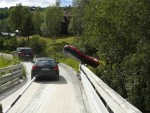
[[63, 96]]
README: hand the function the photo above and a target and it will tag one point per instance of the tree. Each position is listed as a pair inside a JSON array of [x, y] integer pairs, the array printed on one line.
[[4, 13], [54, 16], [77, 14], [4, 26], [37, 20], [119, 32], [21, 19], [16, 17], [75, 26], [27, 24], [38, 45]]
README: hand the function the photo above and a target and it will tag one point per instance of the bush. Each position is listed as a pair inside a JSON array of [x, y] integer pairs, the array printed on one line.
[[13, 43], [71, 62], [38, 45], [5, 62], [136, 70], [22, 42], [10, 44], [118, 32]]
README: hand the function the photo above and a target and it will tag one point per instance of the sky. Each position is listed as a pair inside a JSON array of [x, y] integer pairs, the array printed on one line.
[[41, 3]]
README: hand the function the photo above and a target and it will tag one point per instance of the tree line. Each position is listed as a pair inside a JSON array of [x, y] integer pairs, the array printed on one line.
[[118, 32], [41, 21]]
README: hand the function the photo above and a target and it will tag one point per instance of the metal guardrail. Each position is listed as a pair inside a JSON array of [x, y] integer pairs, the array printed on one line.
[[14, 73], [96, 90]]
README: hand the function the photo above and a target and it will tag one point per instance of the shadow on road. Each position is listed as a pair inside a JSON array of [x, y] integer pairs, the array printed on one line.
[[61, 80]]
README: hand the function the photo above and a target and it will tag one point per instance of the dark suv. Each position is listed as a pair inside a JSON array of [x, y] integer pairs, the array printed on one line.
[[25, 53]]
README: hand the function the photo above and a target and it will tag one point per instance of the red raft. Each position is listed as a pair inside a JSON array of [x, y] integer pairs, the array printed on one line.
[[74, 53]]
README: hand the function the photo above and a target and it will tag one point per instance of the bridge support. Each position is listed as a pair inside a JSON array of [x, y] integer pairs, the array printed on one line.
[[1, 109]]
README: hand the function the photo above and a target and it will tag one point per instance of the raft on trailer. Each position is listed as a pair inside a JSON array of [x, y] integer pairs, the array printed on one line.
[[76, 54]]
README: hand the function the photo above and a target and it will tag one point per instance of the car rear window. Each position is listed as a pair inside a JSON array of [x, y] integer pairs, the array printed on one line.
[[45, 62], [26, 50]]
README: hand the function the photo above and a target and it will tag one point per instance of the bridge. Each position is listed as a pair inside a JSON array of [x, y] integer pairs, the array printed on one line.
[[81, 92]]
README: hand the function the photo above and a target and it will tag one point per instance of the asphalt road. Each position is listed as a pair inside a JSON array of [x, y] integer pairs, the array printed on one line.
[[63, 96]]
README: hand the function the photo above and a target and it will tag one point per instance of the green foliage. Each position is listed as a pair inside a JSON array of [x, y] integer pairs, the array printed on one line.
[[27, 25], [75, 26], [10, 44], [54, 16], [13, 43], [5, 62], [21, 19], [77, 20], [55, 49], [70, 62], [4, 13], [38, 45], [16, 17], [4, 26], [37, 20], [1, 43], [118, 32], [42, 21], [21, 42], [47, 48], [136, 69]]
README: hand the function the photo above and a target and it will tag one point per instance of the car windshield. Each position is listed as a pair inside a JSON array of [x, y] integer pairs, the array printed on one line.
[[45, 62], [26, 50]]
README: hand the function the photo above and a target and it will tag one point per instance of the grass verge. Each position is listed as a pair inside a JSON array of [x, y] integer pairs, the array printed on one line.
[[6, 62]]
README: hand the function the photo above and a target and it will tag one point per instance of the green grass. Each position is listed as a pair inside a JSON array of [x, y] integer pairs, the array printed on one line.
[[55, 50], [5, 62], [52, 50], [71, 62]]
